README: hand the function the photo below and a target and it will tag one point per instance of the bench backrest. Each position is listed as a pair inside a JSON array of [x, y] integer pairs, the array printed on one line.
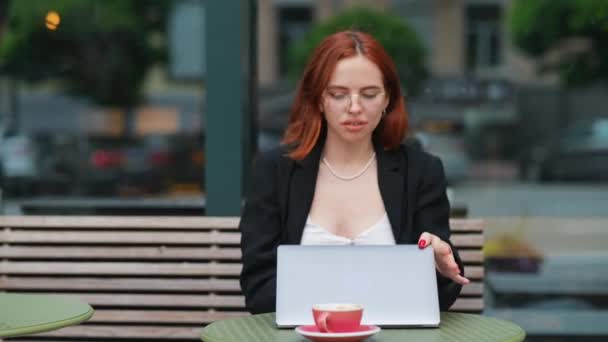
[[154, 277]]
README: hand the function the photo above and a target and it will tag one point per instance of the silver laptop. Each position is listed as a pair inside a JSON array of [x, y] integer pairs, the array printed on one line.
[[396, 285]]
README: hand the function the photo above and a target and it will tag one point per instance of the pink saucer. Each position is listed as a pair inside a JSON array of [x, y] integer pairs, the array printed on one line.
[[312, 333]]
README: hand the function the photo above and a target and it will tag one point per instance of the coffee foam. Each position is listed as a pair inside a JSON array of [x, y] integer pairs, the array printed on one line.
[[337, 307]]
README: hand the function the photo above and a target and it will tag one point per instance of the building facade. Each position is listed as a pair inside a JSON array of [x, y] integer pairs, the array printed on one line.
[[464, 38]]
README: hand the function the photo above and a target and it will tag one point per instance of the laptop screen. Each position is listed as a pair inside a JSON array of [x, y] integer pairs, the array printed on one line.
[[396, 285]]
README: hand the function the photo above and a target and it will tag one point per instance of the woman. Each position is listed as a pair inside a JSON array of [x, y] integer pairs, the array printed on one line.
[[342, 175]]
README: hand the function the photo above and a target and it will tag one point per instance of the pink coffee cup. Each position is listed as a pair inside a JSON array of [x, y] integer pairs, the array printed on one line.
[[337, 318]]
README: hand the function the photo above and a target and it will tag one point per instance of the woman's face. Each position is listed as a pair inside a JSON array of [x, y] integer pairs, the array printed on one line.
[[354, 99]]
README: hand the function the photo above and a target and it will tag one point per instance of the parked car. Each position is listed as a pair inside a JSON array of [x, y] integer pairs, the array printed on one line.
[[19, 165], [580, 153], [126, 165]]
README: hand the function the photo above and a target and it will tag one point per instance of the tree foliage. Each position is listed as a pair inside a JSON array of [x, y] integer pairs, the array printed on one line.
[[398, 38], [101, 49], [579, 29]]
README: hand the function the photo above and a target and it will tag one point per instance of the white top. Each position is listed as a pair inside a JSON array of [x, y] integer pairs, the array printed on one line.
[[378, 234]]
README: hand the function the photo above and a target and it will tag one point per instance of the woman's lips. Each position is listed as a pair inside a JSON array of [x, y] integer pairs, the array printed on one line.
[[354, 125]]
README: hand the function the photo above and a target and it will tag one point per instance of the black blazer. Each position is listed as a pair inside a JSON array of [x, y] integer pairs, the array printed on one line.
[[412, 185]]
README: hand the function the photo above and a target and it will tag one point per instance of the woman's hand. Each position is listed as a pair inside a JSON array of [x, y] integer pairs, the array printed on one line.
[[444, 259]]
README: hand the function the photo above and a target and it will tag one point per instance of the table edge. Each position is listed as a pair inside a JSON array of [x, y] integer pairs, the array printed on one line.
[[36, 329], [519, 338]]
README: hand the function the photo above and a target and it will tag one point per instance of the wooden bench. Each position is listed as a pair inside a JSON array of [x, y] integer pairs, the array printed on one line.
[[150, 278]]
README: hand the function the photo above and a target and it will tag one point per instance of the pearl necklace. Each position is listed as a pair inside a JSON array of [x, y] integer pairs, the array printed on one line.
[[356, 175]]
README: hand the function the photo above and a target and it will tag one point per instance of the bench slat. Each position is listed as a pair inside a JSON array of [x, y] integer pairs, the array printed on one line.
[[467, 304], [147, 285], [121, 253], [120, 284], [163, 316], [127, 331], [92, 237], [156, 300], [466, 225], [147, 252], [60, 339], [121, 222], [95, 237], [468, 256], [467, 240], [472, 289], [474, 272], [121, 268], [132, 268], [164, 222]]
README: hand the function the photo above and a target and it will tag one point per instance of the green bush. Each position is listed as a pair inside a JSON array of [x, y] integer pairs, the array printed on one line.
[[398, 38], [537, 27], [100, 49]]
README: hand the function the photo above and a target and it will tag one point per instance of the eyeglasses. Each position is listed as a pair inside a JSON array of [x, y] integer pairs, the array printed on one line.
[[342, 100]]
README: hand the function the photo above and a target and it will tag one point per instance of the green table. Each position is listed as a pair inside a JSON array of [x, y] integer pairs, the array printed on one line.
[[24, 314], [454, 327]]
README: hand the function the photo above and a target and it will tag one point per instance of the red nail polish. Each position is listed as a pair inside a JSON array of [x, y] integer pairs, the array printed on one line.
[[421, 244]]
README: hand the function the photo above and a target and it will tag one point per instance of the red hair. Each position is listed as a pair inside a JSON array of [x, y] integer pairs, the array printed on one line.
[[305, 118]]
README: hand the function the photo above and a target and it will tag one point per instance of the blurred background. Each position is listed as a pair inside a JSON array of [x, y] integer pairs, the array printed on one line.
[[104, 109]]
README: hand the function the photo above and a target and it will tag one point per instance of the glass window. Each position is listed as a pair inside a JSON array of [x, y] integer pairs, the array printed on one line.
[[294, 22], [106, 107], [483, 36]]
